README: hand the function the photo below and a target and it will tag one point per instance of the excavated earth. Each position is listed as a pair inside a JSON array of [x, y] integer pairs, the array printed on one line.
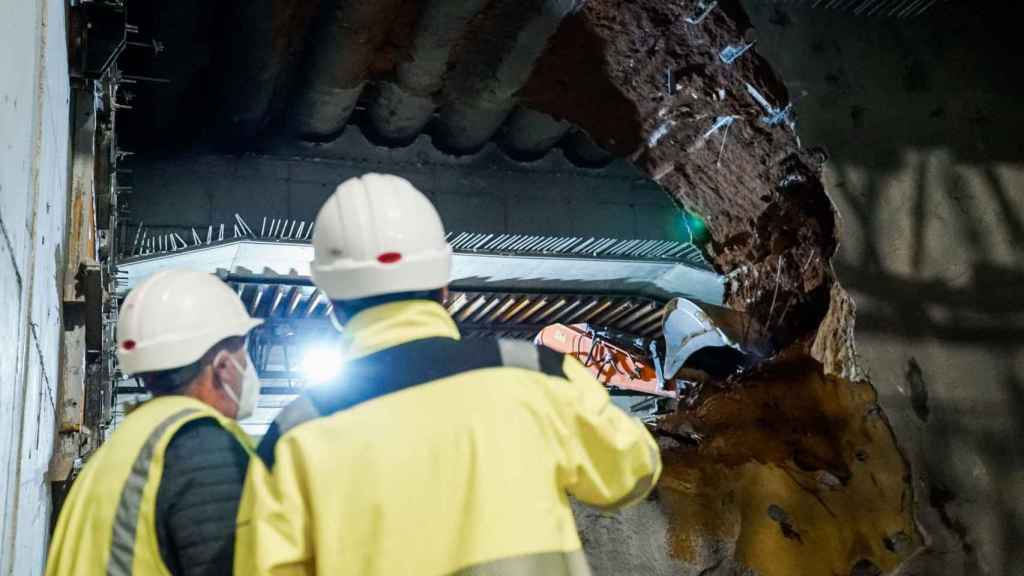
[[791, 468]]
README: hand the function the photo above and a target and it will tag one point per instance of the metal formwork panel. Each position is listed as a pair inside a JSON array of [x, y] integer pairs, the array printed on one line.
[[482, 313]]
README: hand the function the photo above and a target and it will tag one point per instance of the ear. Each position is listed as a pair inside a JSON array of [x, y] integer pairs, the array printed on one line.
[[222, 368]]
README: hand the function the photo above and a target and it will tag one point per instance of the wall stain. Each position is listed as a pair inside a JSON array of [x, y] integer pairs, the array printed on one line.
[[940, 498], [10, 251], [918, 390]]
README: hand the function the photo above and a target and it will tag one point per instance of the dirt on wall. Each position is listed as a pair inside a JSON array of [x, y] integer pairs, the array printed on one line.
[[791, 468]]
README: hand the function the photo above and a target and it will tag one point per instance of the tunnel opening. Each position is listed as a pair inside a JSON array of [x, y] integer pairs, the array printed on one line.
[[772, 454]]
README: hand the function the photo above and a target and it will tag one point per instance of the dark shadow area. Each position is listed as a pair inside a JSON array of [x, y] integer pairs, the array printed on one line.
[[867, 87], [982, 306], [921, 118]]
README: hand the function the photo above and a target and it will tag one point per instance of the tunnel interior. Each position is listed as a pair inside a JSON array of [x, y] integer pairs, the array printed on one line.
[[783, 466]]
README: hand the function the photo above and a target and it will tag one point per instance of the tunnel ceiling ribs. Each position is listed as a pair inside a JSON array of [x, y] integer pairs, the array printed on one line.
[[405, 104], [302, 70], [307, 69], [478, 313], [345, 41], [480, 93]]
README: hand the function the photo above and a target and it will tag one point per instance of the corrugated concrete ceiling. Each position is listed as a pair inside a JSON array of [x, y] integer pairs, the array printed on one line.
[[240, 74], [237, 72]]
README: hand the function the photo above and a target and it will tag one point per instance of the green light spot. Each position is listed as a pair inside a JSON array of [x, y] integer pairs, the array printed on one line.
[[696, 228]]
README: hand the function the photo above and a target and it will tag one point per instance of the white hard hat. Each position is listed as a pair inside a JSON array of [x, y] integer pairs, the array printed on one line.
[[375, 235], [173, 317]]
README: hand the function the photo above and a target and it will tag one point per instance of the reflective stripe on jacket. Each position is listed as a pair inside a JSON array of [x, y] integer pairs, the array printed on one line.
[[108, 523], [436, 456]]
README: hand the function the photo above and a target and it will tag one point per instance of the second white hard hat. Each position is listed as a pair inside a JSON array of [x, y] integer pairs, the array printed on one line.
[[377, 234], [170, 319]]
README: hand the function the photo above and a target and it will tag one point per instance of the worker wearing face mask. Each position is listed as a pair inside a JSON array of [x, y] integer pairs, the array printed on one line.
[[161, 495]]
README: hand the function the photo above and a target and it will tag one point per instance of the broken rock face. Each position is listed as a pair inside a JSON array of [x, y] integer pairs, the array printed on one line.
[[797, 471], [718, 136]]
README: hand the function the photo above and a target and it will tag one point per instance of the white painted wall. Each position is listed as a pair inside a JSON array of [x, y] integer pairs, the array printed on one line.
[[34, 96]]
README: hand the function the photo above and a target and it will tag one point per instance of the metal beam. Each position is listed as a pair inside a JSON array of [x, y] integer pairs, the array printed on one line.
[[283, 263]]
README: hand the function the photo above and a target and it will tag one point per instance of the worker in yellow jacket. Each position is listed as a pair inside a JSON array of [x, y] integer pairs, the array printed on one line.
[[161, 495], [431, 455]]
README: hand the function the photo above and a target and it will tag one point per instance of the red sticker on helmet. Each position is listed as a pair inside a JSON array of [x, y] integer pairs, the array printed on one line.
[[128, 344], [389, 257]]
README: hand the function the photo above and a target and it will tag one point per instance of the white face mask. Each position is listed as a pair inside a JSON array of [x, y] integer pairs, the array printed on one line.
[[250, 388]]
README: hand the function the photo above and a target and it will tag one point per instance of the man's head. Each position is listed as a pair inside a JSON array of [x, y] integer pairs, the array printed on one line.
[[183, 332], [377, 240]]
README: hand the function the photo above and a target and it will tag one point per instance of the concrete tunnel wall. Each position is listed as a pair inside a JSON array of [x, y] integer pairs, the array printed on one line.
[[486, 192], [34, 95], [921, 119]]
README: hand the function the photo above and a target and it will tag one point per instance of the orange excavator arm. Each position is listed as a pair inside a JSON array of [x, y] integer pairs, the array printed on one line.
[[689, 330], [613, 366]]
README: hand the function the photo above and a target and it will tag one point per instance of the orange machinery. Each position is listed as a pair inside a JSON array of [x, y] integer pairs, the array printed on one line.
[[614, 366], [695, 339]]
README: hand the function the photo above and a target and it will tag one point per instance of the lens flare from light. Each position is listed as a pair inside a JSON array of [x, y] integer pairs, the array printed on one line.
[[321, 363]]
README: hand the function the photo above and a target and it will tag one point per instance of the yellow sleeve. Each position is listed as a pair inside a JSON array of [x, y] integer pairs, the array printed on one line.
[[611, 458], [273, 523]]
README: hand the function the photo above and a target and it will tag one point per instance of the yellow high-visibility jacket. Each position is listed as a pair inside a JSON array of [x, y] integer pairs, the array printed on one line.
[[107, 525], [431, 456]]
